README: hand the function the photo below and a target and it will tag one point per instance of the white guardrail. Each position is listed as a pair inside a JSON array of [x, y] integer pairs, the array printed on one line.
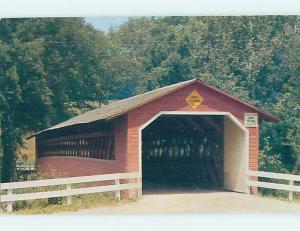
[[290, 187], [68, 192]]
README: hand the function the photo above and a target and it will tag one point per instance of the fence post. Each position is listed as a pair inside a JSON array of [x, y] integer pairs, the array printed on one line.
[[248, 187], [140, 188], [117, 192], [291, 193], [9, 204], [69, 198]]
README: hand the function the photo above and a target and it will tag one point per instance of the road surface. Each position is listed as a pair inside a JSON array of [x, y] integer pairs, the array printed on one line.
[[198, 202]]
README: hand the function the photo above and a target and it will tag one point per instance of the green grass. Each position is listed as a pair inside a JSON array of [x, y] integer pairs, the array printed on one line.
[[78, 202], [282, 196]]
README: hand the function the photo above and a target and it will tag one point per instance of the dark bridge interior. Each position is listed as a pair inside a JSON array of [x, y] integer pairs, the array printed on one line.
[[183, 152]]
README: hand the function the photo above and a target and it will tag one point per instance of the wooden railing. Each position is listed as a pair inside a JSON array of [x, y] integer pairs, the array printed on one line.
[[25, 166], [68, 192], [290, 187]]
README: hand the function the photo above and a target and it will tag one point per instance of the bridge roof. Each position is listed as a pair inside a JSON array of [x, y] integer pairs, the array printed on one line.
[[120, 107]]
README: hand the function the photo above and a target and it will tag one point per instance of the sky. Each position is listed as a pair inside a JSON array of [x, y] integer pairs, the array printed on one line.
[[104, 23]]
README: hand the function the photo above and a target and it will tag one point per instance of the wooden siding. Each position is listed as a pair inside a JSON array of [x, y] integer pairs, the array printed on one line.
[[68, 166], [126, 132], [213, 102]]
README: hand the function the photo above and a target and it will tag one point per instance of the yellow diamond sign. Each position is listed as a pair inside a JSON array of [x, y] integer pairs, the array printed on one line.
[[194, 99]]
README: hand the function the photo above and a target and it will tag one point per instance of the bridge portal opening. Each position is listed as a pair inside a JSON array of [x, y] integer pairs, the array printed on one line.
[[183, 152]]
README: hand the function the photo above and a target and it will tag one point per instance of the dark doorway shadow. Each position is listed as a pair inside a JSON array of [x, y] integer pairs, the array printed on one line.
[[151, 188]]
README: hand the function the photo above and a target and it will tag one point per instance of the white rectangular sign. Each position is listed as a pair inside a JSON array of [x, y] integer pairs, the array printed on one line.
[[251, 120]]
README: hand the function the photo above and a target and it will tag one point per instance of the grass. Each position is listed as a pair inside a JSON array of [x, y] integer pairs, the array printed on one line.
[[26, 152], [281, 195], [78, 202]]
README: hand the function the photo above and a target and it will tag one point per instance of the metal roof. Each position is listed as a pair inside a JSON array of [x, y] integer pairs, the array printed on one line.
[[120, 107]]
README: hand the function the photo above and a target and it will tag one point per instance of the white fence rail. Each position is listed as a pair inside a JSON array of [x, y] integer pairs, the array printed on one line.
[[290, 187], [68, 192], [25, 166]]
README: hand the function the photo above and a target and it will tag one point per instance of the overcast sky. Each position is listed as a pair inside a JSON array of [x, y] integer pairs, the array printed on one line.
[[104, 23]]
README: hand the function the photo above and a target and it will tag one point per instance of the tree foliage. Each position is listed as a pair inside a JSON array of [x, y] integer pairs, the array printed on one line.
[[254, 58], [47, 67], [53, 68]]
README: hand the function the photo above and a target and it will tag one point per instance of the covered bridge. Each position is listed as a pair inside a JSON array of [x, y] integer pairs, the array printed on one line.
[[184, 134]]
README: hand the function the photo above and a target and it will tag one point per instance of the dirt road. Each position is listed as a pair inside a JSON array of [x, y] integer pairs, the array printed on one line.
[[199, 202]]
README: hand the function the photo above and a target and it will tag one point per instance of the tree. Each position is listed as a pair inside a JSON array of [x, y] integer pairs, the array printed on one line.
[[254, 58], [54, 68], [48, 66]]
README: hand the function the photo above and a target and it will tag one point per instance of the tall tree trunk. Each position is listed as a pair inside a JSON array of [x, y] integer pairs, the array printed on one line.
[[9, 149]]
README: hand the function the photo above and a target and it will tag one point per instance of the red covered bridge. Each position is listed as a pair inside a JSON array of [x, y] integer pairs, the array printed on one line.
[[184, 134]]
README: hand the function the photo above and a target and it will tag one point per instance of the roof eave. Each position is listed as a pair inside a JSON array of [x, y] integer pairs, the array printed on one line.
[[155, 98], [266, 115]]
